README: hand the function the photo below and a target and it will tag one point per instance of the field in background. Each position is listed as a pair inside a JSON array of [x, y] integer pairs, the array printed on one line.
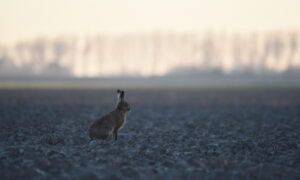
[[205, 96], [149, 83]]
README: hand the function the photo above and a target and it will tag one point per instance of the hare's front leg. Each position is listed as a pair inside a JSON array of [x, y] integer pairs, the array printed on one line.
[[115, 134]]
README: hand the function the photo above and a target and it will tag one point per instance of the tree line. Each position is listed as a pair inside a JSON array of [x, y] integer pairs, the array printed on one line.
[[154, 54]]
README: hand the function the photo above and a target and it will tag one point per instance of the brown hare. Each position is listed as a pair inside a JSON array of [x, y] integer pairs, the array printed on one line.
[[112, 122]]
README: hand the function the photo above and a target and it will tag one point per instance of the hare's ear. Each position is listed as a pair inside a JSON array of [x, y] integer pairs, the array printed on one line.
[[122, 95], [119, 92]]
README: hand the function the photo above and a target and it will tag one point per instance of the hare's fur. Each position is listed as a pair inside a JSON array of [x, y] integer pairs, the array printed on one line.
[[112, 122]]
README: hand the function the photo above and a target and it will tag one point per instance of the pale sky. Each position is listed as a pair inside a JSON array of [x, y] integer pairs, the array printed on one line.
[[26, 19]]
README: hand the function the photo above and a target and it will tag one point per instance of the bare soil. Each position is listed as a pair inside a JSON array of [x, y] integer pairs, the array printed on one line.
[[170, 134]]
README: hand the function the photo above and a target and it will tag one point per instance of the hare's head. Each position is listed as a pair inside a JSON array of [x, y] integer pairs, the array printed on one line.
[[122, 104]]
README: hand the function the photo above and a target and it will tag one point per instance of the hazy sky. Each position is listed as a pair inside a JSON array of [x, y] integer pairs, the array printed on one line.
[[25, 19]]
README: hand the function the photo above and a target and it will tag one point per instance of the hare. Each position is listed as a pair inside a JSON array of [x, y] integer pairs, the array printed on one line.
[[112, 122]]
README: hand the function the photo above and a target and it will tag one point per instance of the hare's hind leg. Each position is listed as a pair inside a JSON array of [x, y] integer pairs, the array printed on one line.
[[101, 134], [103, 137]]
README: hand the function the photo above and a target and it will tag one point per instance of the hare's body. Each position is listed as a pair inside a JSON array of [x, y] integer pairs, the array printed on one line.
[[106, 125], [112, 122]]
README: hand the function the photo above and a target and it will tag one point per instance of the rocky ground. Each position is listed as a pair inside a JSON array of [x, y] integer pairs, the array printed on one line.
[[170, 134]]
